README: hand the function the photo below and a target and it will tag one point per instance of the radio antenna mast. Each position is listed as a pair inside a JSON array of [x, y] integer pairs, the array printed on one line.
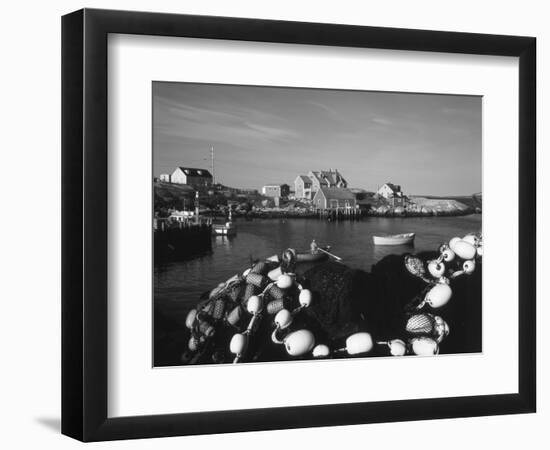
[[212, 158]]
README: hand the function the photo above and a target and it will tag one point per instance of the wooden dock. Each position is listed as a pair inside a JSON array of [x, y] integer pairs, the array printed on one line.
[[336, 214], [181, 240]]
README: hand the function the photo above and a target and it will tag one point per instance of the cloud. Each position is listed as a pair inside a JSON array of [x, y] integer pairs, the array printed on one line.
[[382, 121]]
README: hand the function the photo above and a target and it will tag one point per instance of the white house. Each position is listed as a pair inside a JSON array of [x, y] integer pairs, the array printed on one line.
[[192, 176], [165, 177], [390, 190], [302, 187]]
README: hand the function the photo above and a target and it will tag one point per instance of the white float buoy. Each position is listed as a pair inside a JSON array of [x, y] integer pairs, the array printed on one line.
[[448, 255], [283, 319], [436, 268], [254, 304], [190, 319], [479, 250], [424, 346], [359, 343], [397, 347], [439, 295], [321, 351], [299, 342], [464, 249], [285, 281], [238, 344], [305, 298], [469, 266]]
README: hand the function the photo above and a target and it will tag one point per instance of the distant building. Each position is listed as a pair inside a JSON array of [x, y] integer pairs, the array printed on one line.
[[302, 187], [165, 177], [306, 186], [392, 193], [181, 216], [191, 176], [389, 190], [334, 198], [327, 178], [276, 190]]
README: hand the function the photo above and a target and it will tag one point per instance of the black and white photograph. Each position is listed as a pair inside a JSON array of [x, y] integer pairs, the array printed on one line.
[[314, 224]]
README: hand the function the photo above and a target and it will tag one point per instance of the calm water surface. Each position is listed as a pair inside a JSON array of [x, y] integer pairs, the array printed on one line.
[[178, 285]]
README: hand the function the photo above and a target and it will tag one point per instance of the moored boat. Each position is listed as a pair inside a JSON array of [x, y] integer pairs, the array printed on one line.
[[226, 229], [394, 239]]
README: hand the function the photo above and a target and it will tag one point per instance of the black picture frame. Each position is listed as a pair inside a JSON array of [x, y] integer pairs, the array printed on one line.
[[84, 224]]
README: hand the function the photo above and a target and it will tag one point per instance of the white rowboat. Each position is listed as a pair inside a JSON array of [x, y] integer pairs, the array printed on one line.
[[394, 239]]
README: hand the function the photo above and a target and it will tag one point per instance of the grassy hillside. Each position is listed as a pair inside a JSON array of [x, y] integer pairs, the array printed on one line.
[[168, 195]]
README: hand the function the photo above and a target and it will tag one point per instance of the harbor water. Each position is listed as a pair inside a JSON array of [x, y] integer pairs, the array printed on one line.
[[178, 285]]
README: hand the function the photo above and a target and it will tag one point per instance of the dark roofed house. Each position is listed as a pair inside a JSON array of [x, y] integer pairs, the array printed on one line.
[[334, 198], [389, 190], [306, 186], [327, 178], [192, 176]]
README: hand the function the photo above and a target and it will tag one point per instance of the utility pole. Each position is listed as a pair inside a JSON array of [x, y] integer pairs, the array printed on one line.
[[212, 158], [197, 207]]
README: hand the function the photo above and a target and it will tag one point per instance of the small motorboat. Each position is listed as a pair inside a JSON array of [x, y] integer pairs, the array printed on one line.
[[394, 239], [225, 229]]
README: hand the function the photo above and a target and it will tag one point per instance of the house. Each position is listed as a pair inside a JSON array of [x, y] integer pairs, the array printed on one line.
[[302, 187], [334, 198], [306, 186], [389, 190], [276, 190], [191, 176], [165, 177], [392, 192]]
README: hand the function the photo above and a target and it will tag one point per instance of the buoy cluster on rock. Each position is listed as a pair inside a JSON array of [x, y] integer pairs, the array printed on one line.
[[425, 330]]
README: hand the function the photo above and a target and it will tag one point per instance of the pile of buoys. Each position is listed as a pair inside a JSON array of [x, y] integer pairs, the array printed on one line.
[[267, 294], [267, 291]]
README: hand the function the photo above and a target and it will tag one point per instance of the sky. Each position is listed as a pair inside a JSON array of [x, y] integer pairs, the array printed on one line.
[[427, 143]]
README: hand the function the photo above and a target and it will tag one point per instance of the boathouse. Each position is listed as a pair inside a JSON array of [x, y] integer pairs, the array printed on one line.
[[334, 198]]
